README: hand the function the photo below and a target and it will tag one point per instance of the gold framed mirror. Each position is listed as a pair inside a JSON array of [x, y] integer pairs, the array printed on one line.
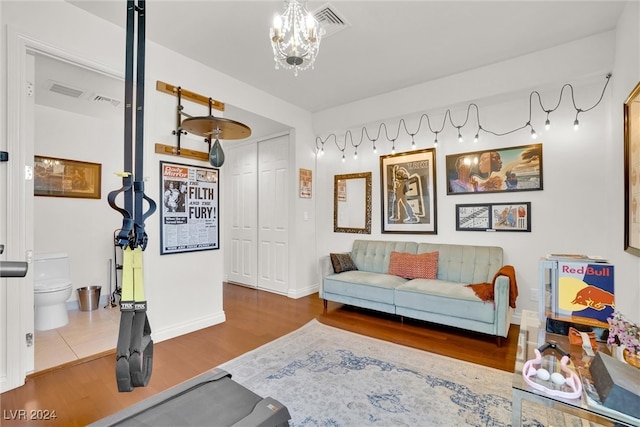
[[632, 172], [352, 203]]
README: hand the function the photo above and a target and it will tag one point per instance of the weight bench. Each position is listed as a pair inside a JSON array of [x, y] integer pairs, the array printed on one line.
[[212, 398]]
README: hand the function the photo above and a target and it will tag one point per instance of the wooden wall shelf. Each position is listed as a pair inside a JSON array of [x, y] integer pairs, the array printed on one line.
[[187, 94], [184, 152]]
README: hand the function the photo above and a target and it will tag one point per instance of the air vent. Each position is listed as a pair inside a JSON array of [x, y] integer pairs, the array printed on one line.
[[64, 89], [330, 19], [106, 99]]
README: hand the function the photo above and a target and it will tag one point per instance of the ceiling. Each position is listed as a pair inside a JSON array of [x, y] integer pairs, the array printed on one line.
[[383, 46]]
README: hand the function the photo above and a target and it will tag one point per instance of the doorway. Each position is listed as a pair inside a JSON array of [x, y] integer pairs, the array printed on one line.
[[77, 114]]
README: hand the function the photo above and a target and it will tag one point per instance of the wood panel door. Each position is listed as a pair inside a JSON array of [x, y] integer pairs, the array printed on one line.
[[242, 219], [273, 214]]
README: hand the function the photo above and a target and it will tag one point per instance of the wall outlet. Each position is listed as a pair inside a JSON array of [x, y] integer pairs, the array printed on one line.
[[533, 294]]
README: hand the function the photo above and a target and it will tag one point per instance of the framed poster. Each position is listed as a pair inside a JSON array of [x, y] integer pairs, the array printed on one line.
[[408, 186], [494, 171], [494, 217], [56, 177], [189, 210], [632, 172], [305, 183]]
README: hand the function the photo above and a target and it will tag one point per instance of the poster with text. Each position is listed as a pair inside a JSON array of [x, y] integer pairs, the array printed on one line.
[[189, 212]]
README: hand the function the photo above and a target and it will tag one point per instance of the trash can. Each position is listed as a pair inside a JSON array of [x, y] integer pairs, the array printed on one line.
[[89, 297]]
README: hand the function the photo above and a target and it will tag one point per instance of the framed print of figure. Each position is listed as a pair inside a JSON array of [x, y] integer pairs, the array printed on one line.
[[408, 187]]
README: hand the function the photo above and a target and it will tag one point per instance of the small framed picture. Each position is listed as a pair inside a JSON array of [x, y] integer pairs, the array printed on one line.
[[494, 217], [305, 183]]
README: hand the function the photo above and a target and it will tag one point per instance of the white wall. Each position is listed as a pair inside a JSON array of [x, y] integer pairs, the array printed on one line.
[[581, 207], [81, 227]]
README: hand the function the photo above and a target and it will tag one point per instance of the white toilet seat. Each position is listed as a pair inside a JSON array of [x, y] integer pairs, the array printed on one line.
[[46, 286]]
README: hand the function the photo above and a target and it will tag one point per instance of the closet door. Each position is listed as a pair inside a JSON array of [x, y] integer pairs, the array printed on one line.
[[241, 214], [273, 214]]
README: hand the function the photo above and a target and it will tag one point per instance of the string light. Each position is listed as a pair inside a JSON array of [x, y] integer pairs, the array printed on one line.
[[447, 118]]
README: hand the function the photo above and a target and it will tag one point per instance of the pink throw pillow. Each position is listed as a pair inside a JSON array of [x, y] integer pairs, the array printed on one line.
[[414, 266]]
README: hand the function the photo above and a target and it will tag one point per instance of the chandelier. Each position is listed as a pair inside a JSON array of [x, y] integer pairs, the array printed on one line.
[[295, 37]]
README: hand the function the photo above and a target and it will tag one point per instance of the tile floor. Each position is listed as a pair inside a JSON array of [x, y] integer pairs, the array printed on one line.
[[86, 334]]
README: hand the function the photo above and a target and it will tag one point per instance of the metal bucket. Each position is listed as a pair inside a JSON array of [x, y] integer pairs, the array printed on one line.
[[89, 297]]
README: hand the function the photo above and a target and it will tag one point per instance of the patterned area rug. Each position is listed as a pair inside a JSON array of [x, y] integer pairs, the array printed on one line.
[[329, 377]]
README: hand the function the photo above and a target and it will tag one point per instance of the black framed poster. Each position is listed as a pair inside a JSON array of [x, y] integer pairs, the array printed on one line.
[[189, 211]]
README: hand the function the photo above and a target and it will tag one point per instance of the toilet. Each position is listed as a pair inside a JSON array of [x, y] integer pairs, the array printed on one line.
[[52, 289]]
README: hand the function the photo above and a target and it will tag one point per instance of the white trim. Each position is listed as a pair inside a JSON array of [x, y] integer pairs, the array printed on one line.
[[192, 326]]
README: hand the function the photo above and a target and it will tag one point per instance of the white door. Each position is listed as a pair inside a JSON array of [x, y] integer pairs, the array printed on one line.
[[16, 198], [273, 214], [241, 214]]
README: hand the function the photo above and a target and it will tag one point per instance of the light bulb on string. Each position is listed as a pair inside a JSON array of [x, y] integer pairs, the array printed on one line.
[[475, 138], [355, 154], [547, 123], [534, 135], [459, 135], [435, 141], [343, 159], [413, 142]]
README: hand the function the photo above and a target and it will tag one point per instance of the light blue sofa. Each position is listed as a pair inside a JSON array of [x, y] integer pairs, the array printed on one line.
[[445, 300]]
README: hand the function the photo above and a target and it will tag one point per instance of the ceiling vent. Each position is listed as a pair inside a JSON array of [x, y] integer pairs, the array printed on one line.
[[330, 19], [105, 99], [64, 89]]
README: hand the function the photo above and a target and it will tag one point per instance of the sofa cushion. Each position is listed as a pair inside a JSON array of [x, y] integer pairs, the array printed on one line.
[[373, 255], [465, 263], [444, 297], [363, 285], [342, 262], [414, 266]]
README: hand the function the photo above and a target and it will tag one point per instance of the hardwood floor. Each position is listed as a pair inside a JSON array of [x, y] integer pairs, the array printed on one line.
[[84, 391]]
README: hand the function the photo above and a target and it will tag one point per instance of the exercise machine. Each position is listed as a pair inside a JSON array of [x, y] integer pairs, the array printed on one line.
[[212, 398]]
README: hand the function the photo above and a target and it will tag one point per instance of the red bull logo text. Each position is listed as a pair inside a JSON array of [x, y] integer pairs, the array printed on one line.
[[586, 270]]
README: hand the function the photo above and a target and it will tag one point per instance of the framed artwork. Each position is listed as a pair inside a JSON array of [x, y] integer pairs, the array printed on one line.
[[305, 183], [494, 171], [408, 186], [189, 211], [494, 217], [632, 172], [56, 177]]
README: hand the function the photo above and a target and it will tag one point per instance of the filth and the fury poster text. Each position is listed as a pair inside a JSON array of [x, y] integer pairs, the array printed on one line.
[[189, 197]]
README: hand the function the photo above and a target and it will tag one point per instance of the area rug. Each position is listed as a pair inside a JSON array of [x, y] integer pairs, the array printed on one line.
[[329, 377]]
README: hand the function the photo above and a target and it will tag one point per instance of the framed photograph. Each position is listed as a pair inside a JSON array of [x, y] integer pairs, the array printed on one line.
[[494, 217], [305, 183], [408, 186], [494, 171], [632, 172], [341, 190], [189, 211], [56, 177]]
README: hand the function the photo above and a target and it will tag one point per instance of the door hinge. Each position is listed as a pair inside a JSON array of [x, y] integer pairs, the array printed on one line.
[[29, 339], [29, 89]]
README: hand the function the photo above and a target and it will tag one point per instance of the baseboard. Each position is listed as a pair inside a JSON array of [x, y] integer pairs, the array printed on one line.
[[160, 335], [300, 293]]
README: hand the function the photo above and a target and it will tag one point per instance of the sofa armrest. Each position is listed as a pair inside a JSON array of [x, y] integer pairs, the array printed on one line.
[[501, 289], [326, 268]]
